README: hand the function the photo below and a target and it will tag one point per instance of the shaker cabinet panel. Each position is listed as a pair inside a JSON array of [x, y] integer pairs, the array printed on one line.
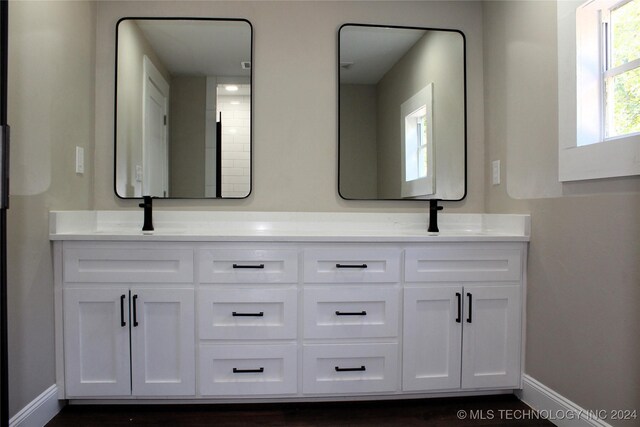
[[350, 368], [352, 265], [162, 342], [239, 370], [96, 347], [491, 339], [122, 265], [248, 266], [351, 312], [432, 338], [240, 314], [439, 264]]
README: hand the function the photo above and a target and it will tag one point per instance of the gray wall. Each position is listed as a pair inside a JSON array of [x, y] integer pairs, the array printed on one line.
[[358, 145], [187, 119], [583, 322], [50, 110]]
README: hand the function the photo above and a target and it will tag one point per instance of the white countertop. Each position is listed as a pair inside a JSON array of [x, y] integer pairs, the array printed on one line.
[[126, 225]]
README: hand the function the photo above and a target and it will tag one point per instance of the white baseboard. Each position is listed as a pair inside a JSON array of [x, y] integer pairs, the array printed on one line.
[[557, 408], [39, 411]]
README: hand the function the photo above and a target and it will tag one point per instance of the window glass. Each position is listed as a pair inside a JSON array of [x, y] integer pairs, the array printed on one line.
[[625, 33], [622, 79], [623, 103]]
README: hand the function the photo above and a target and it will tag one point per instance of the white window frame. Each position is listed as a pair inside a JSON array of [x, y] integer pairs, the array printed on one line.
[[584, 152]]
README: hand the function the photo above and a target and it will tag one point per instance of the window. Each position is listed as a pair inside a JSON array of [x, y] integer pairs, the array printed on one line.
[[416, 122], [621, 74], [416, 141], [605, 139]]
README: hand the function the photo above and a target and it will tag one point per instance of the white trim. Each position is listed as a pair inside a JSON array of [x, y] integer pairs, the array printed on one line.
[[40, 410], [562, 412]]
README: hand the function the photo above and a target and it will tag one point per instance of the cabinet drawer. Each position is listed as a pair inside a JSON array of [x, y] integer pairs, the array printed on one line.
[[441, 265], [99, 265], [350, 368], [248, 266], [247, 313], [353, 265], [248, 369], [360, 312]]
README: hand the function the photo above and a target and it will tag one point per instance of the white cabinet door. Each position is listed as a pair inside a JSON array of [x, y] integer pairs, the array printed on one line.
[[432, 338], [491, 342], [96, 341], [162, 342]]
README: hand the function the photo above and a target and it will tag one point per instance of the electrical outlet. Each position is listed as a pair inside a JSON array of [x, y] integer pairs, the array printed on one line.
[[495, 172], [138, 173], [79, 160]]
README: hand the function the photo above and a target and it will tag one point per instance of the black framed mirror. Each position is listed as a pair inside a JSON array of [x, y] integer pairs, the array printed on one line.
[[402, 113], [183, 108]]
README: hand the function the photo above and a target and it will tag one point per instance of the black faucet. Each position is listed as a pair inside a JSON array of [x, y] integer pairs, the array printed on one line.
[[433, 215], [147, 205]]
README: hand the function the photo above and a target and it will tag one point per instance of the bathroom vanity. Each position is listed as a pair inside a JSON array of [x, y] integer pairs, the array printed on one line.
[[259, 306]]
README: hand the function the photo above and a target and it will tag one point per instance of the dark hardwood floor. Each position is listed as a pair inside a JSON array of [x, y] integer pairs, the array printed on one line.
[[502, 410]]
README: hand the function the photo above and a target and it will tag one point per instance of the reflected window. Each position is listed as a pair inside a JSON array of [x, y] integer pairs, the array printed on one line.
[[416, 144], [417, 147]]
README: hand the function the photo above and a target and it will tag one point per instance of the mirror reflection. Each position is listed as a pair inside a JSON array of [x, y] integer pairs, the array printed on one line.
[[402, 101], [183, 108]]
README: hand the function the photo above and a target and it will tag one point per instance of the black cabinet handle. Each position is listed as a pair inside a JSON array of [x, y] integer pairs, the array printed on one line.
[[248, 371], [351, 313], [236, 314], [122, 322], [135, 311], [361, 368], [248, 266], [470, 303], [459, 297], [351, 265]]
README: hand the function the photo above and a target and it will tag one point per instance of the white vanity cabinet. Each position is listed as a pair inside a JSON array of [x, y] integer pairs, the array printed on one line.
[[462, 331], [127, 333], [287, 315]]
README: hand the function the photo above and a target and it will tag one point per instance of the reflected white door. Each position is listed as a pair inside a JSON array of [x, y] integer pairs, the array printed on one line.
[[155, 137]]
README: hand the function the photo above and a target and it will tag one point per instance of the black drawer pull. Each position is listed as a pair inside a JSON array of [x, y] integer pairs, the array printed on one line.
[[469, 320], [248, 266], [248, 371], [135, 311], [361, 368], [351, 313], [236, 314], [459, 297], [122, 322], [351, 265]]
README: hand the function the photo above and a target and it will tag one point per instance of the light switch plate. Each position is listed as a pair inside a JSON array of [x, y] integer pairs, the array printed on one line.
[[79, 160], [495, 172]]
